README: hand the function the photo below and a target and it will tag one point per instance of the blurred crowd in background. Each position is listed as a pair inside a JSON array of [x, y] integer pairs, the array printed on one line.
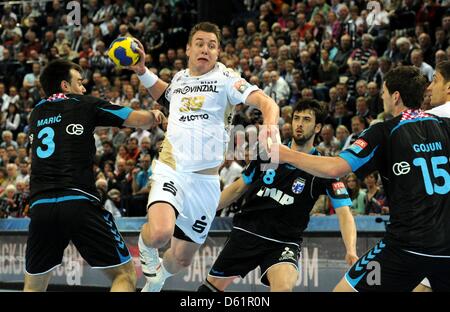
[[334, 51]]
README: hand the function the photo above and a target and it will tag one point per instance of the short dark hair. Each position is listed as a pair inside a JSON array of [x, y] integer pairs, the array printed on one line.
[[55, 72], [206, 27], [315, 106], [409, 82], [443, 68]]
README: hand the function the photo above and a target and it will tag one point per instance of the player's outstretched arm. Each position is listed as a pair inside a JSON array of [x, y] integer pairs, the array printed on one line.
[[151, 82], [267, 106], [269, 133], [232, 193], [319, 166], [348, 232]]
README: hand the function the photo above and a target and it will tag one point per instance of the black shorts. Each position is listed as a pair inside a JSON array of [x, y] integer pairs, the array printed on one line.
[[387, 268], [243, 252], [55, 221]]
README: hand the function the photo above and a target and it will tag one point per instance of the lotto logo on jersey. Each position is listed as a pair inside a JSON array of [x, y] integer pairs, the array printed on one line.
[[339, 188], [241, 85], [359, 145]]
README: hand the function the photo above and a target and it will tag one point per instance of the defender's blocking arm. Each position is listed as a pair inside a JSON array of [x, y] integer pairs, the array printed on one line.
[[232, 193], [348, 232], [324, 167]]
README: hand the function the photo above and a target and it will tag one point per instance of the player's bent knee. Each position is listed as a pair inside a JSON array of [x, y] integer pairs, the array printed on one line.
[[182, 260], [281, 286], [160, 237]]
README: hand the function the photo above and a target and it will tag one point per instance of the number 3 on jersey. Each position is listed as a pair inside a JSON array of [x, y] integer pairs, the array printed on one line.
[[47, 134]]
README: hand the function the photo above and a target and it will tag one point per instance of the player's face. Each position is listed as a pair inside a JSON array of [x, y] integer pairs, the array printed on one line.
[[76, 84], [203, 52], [438, 89], [304, 126]]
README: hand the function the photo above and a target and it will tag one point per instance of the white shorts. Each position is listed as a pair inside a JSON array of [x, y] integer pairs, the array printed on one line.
[[195, 197]]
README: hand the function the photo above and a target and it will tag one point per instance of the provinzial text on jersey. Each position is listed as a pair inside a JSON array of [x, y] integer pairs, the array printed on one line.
[[202, 88], [49, 120]]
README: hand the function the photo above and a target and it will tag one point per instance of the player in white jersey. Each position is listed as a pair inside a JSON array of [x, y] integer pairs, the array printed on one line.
[[185, 188], [440, 100], [440, 90]]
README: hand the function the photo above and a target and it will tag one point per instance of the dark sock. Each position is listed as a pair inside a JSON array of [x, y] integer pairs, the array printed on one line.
[[207, 287]]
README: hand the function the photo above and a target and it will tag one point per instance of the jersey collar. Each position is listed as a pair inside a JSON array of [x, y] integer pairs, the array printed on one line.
[[313, 151]]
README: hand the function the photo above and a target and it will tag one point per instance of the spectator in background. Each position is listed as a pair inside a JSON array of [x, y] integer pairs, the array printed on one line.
[[286, 133], [358, 126], [12, 120], [108, 154], [7, 137], [328, 75], [376, 202], [426, 48], [3, 174], [374, 100], [8, 204], [22, 199], [417, 61], [440, 56], [329, 145], [342, 134], [356, 193], [343, 53], [278, 89], [4, 98], [308, 68], [11, 170], [363, 53], [112, 203], [29, 81], [24, 172], [341, 115]]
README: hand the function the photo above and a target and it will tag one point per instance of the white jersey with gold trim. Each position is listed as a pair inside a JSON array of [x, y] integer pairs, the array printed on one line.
[[201, 109]]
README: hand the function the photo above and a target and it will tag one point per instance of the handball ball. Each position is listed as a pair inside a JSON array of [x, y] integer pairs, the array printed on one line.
[[122, 51]]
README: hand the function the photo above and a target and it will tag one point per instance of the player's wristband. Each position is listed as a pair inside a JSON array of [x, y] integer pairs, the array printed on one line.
[[148, 79]]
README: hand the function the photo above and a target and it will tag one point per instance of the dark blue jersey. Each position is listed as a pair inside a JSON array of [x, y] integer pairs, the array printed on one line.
[[411, 152], [62, 141], [278, 202]]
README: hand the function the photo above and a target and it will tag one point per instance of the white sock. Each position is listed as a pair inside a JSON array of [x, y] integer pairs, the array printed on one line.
[[142, 243]]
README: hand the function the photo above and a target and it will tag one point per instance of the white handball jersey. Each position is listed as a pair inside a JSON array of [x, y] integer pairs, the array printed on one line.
[[201, 109], [441, 111]]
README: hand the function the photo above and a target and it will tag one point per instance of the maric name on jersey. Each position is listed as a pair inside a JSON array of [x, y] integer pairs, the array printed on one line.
[[49, 120], [201, 88], [277, 195], [194, 117]]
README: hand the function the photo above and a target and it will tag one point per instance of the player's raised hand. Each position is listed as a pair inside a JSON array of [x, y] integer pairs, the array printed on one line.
[[159, 116], [268, 135], [139, 68], [351, 258], [279, 152]]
